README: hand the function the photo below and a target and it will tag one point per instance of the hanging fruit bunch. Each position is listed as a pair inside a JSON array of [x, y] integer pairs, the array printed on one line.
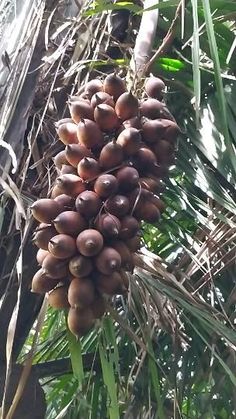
[[117, 150]]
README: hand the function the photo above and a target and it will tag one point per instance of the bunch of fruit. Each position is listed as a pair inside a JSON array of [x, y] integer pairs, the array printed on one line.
[[117, 150]]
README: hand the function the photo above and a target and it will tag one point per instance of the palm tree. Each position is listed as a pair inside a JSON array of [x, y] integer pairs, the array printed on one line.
[[168, 349]]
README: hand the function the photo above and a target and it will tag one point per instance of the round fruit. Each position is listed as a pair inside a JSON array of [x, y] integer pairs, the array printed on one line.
[[151, 108], [80, 266], [88, 204], [129, 227], [80, 321], [117, 205], [76, 152], [45, 210], [105, 185], [65, 201], [133, 123], [70, 222], [62, 246], [93, 86], [111, 155], [89, 134], [42, 283], [114, 86], [110, 284], [102, 97], [155, 87], [43, 234], [153, 130], [41, 254], [147, 212], [108, 225], [128, 178], [127, 106], [67, 133], [89, 242], [88, 168], [67, 169], [130, 140], [60, 159], [81, 292], [57, 298], [56, 268], [98, 307], [134, 243], [70, 185], [80, 109], [144, 158], [108, 261], [106, 118], [127, 262]]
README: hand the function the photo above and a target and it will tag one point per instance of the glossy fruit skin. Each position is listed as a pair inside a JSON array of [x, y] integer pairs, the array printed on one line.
[[62, 246], [129, 139], [80, 109], [57, 298], [55, 268], [106, 118], [88, 204], [147, 212], [108, 225], [105, 185], [127, 106], [42, 283], [67, 133], [134, 243], [66, 201], [71, 185], [114, 86], [102, 97], [43, 234], [80, 266], [110, 284], [60, 159], [117, 205], [45, 210], [133, 122], [81, 292], [89, 134], [128, 178], [89, 242], [70, 222], [80, 321], [129, 227], [155, 87], [151, 108], [88, 168], [41, 254], [111, 155], [76, 152], [108, 261], [93, 86], [127, 262]]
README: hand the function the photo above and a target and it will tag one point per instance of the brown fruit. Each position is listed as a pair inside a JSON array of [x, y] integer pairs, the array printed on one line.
[[127, 106], [153, 130], [158, 203], [63, 121], [128, 178], [108, 261], [171, 130], [57, 298], [159, 170], [55, 268], [92, 87], [88, 168], [114, 86], [117, 205], [88, 204], [42, 283], [43, 234], [65, 201], [144, 158], [129, 227], [105, 185], [151, 108], [41, 254], [111, 155], [106, 118], [45, 210], [134, 122], [98, 307], [102, 97], [127, 262], [108, 225], [153, 185], [70, 222], [110, 284], [62, 246], [154, 87], [67, 169], [81, 292], [70, 185], [89, 242], [147, 212], [67, 133], [130, 140], [134, 243], [164, 152], [80, 321], [80, 266], [60, 159], [76, 152], [80, 109], [89, 134]]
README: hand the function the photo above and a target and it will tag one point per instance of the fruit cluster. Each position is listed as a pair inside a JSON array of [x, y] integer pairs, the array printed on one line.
[[118, 149]]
